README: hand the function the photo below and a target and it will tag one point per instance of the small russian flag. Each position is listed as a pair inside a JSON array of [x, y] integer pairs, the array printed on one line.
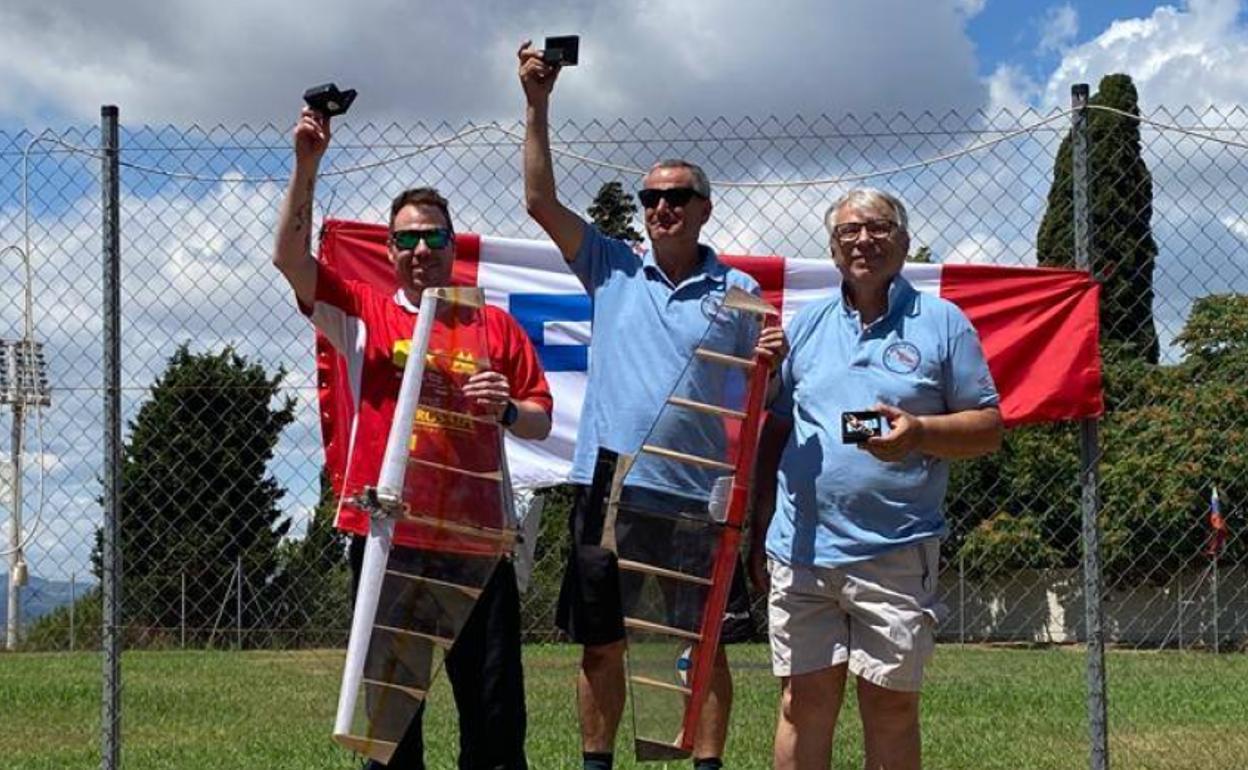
[[1219, 532]]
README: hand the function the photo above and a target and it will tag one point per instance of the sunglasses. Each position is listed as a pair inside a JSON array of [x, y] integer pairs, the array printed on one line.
[[877, 229], [406, 240], [675, 196]]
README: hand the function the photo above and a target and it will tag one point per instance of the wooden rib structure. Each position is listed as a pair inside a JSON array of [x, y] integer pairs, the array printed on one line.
[[670, 666], [672, 454], [475, 593], [441, 641], [484, 475], [409, 691], [506, 536], [650, 569], [698, 406], [659, 628], [376, 748], [650, 750], [648, 682], [724, 358]]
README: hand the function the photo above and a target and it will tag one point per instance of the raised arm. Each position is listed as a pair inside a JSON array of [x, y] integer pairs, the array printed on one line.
[[292, 252], [564, 226]]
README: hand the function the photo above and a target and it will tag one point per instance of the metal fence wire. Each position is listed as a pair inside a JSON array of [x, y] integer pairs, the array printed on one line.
[[224, 523]]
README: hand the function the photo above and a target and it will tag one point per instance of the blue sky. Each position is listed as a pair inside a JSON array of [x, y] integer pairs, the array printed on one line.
[[1023, 33]]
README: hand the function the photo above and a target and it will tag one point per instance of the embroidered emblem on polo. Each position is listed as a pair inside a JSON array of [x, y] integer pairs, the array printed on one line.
[[902, 357], [710, 306]]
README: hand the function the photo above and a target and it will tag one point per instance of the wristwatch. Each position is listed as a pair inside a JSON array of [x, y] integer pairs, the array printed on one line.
[[510, 414]]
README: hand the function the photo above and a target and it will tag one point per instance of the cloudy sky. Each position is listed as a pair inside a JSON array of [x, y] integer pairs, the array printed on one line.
[[183, 61], [196, 252]]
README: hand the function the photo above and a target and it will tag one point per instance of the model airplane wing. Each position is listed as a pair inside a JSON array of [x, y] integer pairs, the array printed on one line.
[[674, 517], [444, 485]]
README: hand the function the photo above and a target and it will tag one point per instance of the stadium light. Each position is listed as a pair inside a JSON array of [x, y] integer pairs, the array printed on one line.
[[23, 374], [23, 384]]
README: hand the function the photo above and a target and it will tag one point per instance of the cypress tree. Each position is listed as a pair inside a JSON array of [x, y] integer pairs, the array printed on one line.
[[1120, 198]]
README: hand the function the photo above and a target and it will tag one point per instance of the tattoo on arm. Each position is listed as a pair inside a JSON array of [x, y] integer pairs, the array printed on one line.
[[303, 216]]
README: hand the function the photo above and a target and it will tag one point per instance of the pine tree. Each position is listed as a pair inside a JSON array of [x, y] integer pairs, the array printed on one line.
[[1120, 199], [922, 255], [613, 211], [310, 597], [196, 498]]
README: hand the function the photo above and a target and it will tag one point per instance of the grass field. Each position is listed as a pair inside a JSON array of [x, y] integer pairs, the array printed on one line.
[[983, 708]]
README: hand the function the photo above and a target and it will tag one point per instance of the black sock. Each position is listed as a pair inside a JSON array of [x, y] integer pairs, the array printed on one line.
[[708, 763], [597, 760]]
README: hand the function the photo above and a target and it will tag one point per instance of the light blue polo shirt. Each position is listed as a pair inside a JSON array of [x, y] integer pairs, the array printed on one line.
[[645, 329], [835, 503]]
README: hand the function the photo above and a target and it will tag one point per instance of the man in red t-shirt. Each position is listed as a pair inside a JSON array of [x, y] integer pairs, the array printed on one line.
[[372, 331]]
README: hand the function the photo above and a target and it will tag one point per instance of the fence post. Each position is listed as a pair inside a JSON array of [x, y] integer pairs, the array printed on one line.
[[13, 625], [1216, 629], [73, 599], [961, 598], [238, 605], [1089, 459], [110, 728], [1178, 579], [182, 606]]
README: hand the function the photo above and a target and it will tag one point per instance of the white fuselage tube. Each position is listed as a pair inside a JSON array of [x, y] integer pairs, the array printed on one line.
[[381, 528]]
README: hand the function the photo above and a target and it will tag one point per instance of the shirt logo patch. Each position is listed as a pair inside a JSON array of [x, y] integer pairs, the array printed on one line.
[[902, 357], [458, 362], [710, 306]]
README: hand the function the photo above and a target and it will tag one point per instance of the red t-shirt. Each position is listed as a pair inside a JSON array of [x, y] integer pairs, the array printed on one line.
[[368, 329]]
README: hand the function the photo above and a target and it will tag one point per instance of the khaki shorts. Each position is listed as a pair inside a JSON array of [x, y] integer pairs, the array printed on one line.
[[878, 615]]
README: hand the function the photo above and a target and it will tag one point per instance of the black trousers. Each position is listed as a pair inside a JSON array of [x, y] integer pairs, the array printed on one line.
[[486, 677]]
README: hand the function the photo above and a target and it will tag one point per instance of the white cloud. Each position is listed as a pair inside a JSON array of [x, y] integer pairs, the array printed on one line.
[[1237, 225], [1010, 88], [1058, 27], [984, 248], [969, 8], [1195, 55], [236, 60]]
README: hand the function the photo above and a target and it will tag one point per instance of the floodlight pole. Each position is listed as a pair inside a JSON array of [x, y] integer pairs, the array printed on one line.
[[23, 384], [17, 563]]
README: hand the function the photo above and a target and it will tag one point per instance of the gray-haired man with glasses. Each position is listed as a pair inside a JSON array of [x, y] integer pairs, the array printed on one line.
[[852, 551]]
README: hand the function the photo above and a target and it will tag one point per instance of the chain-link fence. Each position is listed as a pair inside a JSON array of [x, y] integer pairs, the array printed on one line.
[[225, 532]]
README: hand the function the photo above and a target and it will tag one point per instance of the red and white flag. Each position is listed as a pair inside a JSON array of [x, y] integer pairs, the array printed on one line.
[[1039, 328]]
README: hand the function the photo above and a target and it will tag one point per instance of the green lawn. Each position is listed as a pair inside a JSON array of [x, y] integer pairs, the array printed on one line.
[[983, 708]]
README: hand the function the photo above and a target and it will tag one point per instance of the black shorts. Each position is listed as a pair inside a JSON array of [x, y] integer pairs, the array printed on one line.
[[593, 594]]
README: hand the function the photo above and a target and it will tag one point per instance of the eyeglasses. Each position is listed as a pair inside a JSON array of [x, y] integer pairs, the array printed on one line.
[[877, 229], [436, 238], [675, 196]]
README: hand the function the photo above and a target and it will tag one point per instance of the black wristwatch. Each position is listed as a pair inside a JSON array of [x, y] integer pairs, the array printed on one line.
[[509, 415]]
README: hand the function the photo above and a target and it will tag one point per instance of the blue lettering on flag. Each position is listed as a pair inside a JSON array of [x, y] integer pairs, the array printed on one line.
[[534, 311]]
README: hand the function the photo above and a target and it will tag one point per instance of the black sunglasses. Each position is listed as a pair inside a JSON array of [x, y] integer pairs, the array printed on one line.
[[675, 196], [435, 238]]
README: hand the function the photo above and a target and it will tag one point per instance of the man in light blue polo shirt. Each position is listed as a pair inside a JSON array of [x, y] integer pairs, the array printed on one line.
[[650, 312], [853, 547]]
